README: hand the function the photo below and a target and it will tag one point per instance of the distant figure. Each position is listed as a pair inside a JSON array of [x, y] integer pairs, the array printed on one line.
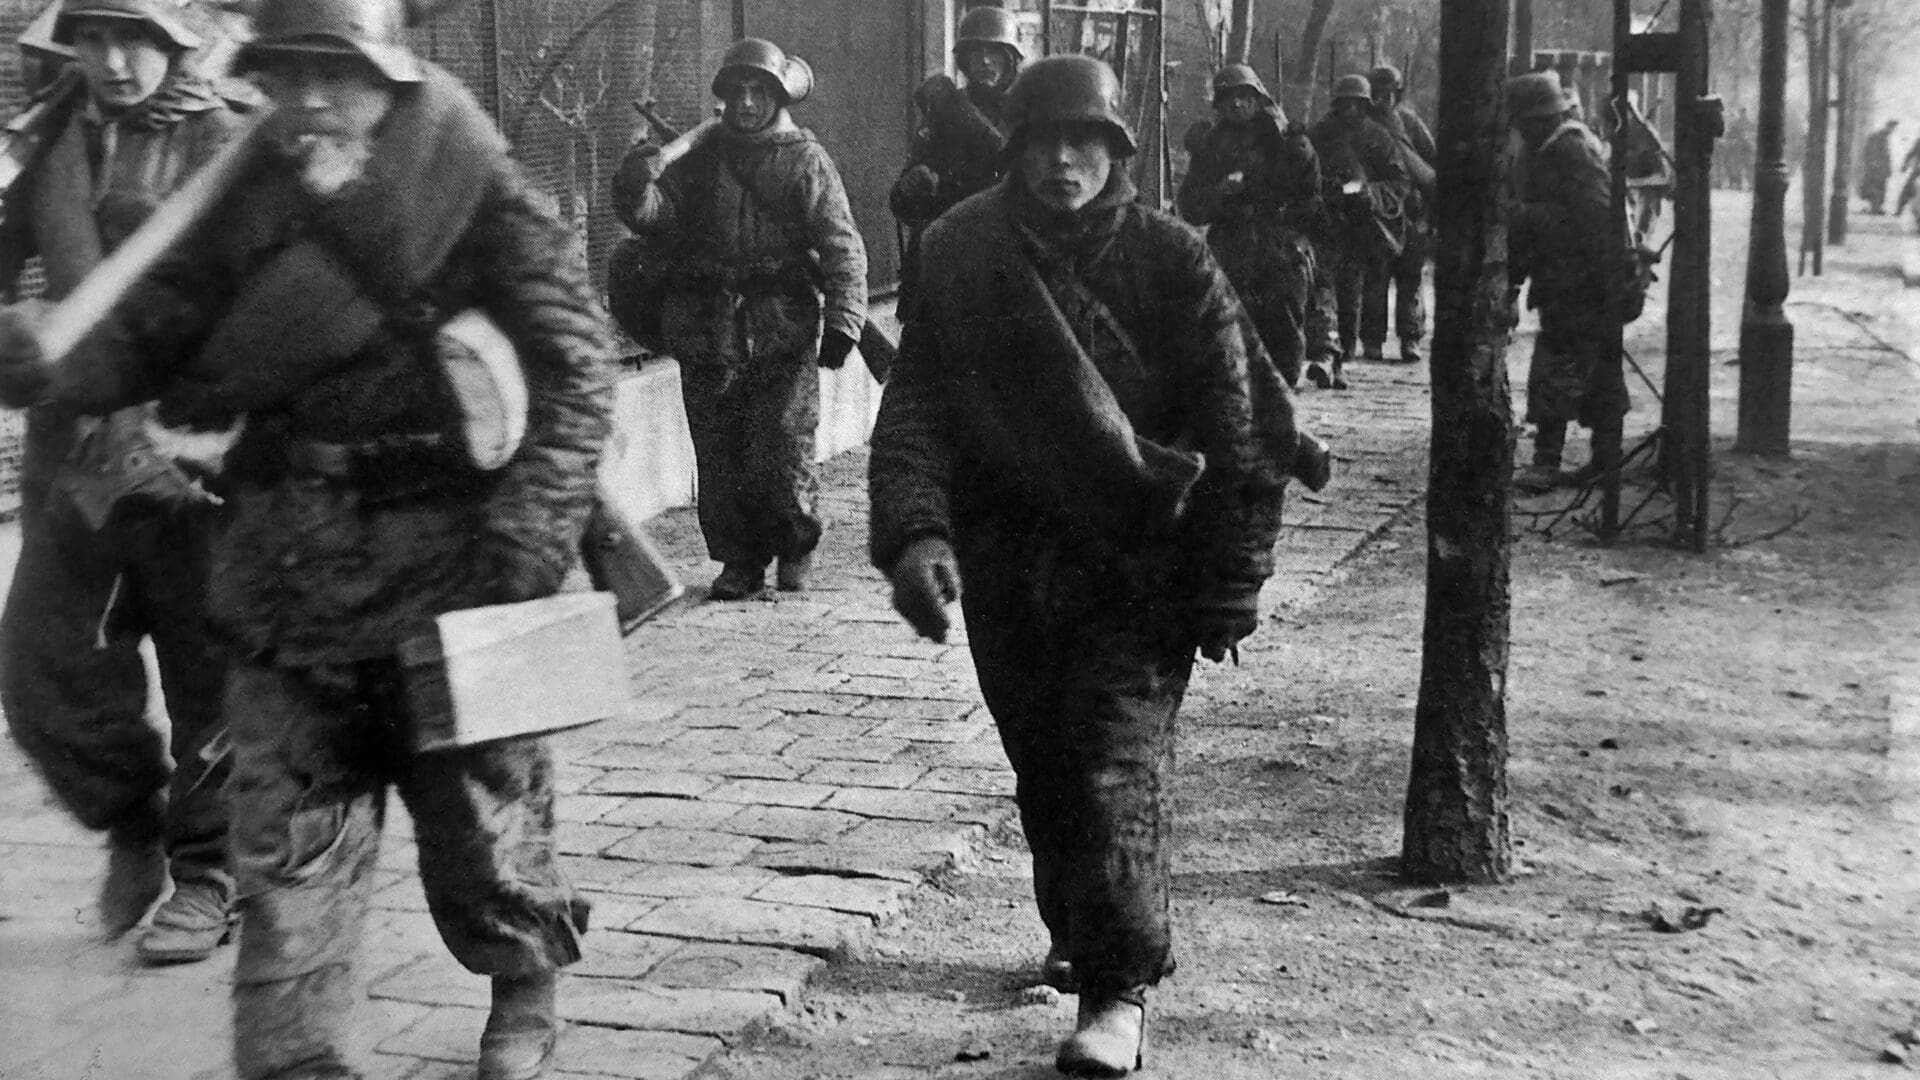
[[1876, 168], [1735, 156]]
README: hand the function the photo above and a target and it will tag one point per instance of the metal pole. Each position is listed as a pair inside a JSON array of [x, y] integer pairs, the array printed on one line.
[[1766, 335], [1813, 197], [1843, 91], [1689, 321]]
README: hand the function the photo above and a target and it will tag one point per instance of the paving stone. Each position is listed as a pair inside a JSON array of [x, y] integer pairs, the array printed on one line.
[[695, 847], [612, 954], [617, 911], [753, 922], [872, 686], [724, 966], [751, 766], [860, 749], [584, 808], [435, 980], [947, 839], [403, 895], [727, 1014], [672, 813], [982, 753], [877, 899], [590, 1050], [968, 781], [663, 879], [747, 717], [944, 731], [921, 805], [819, 725], [730, 742], [771, 793], [896, 864], [443, 1035], [577, 838], [790, 823], [865, 774], [644, 758], [568, 777], [885, 667], [789, 701], [678, 785], [811, 682], [912, 708]]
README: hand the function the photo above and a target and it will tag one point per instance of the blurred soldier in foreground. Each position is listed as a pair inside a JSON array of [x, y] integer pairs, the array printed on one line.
[[1562, 244], [957, 149], [115, 534], [380, 203], [1367, 189], [1401, 273], [1254, 182], [767, 276], [1082, 430]]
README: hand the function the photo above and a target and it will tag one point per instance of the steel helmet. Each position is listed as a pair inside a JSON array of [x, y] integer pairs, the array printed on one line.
[[1235, 76], [164, 16], [1534, 95], [1385, 77], [374, 30], [990, 26], [1353, 86], [1065, 89], [791, 74]]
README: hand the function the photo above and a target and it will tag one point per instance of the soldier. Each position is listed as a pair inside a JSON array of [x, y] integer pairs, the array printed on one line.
[[1876, 168], [1083, 431], [957, 148], [1367, 188], [1562, 242], [116, 535], [380, 203], [1254, 182], [769, 276], [1401, 273]]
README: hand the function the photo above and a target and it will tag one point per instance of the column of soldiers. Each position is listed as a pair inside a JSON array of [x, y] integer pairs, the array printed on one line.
[[1085, 444]]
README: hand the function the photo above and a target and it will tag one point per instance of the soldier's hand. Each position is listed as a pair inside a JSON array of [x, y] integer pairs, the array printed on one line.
[[25, 374], [926, 578], [640, 169], [1312, 461], [919, 184], [835, 347]]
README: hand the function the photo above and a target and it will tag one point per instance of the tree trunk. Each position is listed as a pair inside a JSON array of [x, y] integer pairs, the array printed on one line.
[[1301, 80], [1240, 32], [1456, 813]]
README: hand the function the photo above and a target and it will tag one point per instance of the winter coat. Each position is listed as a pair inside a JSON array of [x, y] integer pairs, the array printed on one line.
[[757, 245], [960, 140], [1372, 223], [97, 181], [1280, 171], [974, 444], [1560, 235], [320, 569]]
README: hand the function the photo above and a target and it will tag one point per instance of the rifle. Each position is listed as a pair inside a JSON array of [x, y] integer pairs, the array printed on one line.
[[630, 272], [27, 136]]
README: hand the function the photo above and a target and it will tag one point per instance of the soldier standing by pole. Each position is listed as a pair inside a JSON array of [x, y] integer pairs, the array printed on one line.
[[957, 149], [115, 533], [1083, 431], [377, 205], [766, 276], [1404, 272], [1254, 182]]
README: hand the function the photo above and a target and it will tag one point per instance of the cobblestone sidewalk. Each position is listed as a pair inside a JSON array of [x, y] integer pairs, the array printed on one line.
[[788, 772]]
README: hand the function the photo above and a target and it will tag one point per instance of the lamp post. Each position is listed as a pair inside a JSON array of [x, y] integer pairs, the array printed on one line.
[[1813, 170], [1766, 336]]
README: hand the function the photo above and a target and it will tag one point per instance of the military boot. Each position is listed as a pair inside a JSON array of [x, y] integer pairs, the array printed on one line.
[[522, 1030], [1109, 1036], [794, 572], [194, 921], [737, 581], [1409, 350]]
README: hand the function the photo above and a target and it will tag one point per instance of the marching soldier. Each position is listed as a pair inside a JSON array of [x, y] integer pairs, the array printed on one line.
[[1562, 244], [313, 303], [767, 276], [956, 150], [115, 534], [1367, 187], [1402, 273], [1254, 182], [1082, 430]]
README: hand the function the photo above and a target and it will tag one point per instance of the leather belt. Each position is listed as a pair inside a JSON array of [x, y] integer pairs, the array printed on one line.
[[374, 458]]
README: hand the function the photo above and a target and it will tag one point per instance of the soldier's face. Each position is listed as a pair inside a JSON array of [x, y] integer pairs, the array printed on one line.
[[1238, 105], [124, 62], [986, 65], [327, 107], [1066, 166], [749, 103]]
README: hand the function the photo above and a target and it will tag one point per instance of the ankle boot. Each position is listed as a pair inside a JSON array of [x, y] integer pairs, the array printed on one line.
[[1109, 1038], [794, 572], [522, 1030], [738, 581]]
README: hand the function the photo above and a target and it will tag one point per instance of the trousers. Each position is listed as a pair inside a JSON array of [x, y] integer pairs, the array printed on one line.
[[313, 762], [753, 443], [1083, 686], [1401, 275], [74, 685]]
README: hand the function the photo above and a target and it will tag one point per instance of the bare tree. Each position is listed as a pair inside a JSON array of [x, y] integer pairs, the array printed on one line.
[[1456, 813]]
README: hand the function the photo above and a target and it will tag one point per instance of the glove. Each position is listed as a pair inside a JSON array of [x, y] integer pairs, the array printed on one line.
[[926, 578], [25, 375], [503, 571], [1218, 623], [919, 184], [834, 348], [1312, 461], [639, 170]]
